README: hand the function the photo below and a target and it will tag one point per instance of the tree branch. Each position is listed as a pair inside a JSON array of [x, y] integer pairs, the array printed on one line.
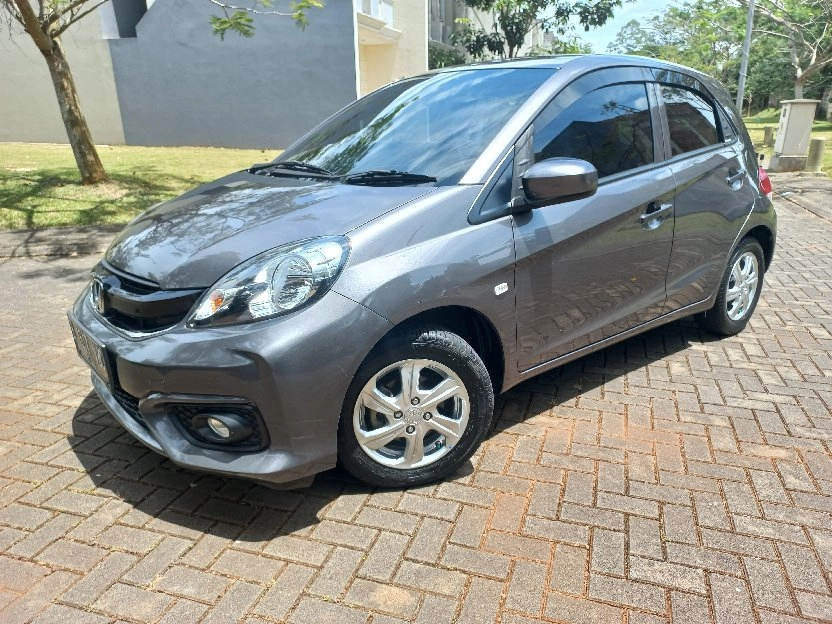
[[77, 17], [32, 26]]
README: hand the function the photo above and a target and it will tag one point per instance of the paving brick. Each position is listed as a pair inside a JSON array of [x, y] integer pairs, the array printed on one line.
[[72, 555], [630, 593], [436, 610], [508, 512], [24, 516], [430, 578], [191, 583], [568, 569], [645, 537], [54, 529], [482, 602], [526, 589], [388, 549], [581, 611], [157, 561], [62, 614], [184, 611], [344, 534], [476, 562], [802, 568], [254, 568], [336, 573], [689, 608], [613, 520], [470, 526], [429, 541], [681, 577], [768, 584], [316, 610], [608, 552], [556, 531], [517, 546], [429, 506], [293, 548], [704, 558], [386, 598], [731, 600], [814, 606], [386, 520], [282, 596], [128, 602], [18, 576], [234, 604]]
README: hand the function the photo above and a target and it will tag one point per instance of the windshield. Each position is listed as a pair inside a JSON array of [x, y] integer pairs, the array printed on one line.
[[434, 126]]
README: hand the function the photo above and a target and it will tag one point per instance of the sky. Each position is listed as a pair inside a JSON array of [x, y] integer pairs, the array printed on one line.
[[640, 10]]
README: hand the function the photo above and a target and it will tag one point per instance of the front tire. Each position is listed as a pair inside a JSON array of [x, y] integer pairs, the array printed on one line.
[[739, 291], [418, 407]]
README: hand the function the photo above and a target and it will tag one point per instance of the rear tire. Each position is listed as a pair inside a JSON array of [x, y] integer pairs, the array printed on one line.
[[418, 407], [739, 291]]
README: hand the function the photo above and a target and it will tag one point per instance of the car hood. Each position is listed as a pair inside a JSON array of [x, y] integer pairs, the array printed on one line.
[[193, 240]]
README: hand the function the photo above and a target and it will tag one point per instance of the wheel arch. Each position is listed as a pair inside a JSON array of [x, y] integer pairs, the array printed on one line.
[[470, 325], [763, 235]]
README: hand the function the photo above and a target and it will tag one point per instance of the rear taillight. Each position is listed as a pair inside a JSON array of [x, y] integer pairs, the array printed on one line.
[[765, 184]]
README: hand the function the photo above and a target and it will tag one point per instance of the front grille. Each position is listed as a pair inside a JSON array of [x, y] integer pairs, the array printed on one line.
[[136, 305], [184, 415]]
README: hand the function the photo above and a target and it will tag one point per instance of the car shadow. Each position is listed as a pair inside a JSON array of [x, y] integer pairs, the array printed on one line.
[[176, 500]]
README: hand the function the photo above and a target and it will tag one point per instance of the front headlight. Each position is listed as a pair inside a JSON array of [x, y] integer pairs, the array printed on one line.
[[272, 283]]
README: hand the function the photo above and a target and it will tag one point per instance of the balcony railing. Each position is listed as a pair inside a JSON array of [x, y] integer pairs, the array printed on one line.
[[379, 9]]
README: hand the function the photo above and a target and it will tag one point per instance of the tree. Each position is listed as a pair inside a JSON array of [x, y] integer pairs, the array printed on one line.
[[515, 19], [805, 26], [44, 21], [705, 34]]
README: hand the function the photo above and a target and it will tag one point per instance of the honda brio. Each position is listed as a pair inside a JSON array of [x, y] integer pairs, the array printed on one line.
[[364, 297]]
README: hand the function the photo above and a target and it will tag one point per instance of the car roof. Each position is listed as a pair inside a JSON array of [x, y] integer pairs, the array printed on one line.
[[588, 61]]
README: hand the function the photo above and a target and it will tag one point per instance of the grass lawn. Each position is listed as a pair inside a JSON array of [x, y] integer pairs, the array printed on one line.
[[771, 117], [40, 186]]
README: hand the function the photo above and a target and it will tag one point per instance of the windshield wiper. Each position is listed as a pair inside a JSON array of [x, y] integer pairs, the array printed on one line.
[[380, 177], [291, 165]]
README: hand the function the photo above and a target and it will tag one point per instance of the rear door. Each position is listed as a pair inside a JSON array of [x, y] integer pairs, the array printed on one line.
[[714, 189], [591, 268]]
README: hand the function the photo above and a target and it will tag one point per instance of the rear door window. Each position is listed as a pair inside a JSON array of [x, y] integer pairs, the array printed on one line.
[[691, 120]]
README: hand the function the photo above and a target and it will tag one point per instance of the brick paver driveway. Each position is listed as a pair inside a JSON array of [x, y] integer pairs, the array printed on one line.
[[671, 477]]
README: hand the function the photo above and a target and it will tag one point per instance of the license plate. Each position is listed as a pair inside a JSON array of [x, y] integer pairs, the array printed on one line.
[[91, 351]]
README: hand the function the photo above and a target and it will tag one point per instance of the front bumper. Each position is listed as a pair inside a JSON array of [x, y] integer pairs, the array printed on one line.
[[295, 370]]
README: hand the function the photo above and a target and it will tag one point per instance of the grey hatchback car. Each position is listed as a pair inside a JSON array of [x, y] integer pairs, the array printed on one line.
[[363, 298]]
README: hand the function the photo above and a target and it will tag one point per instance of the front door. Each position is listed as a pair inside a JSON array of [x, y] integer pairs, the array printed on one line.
[[591, 268]]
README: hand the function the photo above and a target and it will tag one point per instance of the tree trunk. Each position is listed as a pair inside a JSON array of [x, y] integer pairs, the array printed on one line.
[[86, 156], [798, 89]]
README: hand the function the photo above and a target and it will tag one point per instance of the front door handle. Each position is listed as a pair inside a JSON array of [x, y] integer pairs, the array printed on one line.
[[655, 215]]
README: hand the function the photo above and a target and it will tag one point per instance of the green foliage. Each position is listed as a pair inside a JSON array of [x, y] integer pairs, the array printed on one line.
[[239, 20], [516, 18], [705, 34], [566, 44], [443, 56]]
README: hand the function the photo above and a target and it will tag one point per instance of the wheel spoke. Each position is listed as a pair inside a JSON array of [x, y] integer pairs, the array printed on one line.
[[410, 380], [414, 450], [442, 391], [373, 399], [733, 294], [377, 438], [448, 427]]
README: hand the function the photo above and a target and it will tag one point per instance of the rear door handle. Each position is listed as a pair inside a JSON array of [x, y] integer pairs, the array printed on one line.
[[733, 178], [655, 215]]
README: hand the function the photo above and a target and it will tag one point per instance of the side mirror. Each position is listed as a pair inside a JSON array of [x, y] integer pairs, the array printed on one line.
[[554, 181]]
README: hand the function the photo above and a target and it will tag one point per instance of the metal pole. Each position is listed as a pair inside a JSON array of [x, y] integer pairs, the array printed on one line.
[[749, 24]]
